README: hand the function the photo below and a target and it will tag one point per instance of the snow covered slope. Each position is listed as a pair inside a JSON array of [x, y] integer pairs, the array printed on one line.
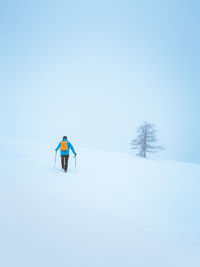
[[115, 210]]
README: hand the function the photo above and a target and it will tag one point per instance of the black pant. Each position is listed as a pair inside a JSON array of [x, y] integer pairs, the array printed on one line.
[[64, 162]]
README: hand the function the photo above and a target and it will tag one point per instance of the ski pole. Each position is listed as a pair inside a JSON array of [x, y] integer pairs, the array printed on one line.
[[75, 162], [55, 158]]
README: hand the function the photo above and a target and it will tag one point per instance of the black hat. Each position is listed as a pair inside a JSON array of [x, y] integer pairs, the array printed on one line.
[[64, 137]]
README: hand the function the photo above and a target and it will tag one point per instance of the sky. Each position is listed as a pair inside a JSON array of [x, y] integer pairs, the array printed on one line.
[[95, 70]]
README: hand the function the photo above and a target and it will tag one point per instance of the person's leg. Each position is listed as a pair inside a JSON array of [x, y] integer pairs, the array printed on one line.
[[63, 162], [66, 158], [64, 166], [66, 162]]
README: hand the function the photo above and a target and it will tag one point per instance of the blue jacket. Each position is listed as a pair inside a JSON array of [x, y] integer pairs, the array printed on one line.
[[64, 153]]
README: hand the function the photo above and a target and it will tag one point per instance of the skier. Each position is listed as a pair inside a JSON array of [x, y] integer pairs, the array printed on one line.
[[65, 146]]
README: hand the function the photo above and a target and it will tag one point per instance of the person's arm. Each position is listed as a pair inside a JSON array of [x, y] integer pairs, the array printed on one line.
[[59, 145], [72, 148]]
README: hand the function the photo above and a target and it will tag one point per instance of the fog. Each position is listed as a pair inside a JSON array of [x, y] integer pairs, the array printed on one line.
[[95, 71]]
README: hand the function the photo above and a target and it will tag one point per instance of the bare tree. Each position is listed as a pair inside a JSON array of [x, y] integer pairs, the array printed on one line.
[[146, 139]]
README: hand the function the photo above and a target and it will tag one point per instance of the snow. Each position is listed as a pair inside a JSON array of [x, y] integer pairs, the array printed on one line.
[[113, 210]]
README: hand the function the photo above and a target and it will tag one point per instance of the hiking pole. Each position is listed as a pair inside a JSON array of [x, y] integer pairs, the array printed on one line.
[[75, 162], [55, 159]]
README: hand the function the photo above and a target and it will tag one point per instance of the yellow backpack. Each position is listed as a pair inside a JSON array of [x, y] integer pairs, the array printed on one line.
[[64, 146]]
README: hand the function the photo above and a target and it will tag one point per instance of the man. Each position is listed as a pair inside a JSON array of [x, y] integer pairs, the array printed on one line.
[[65, 146]]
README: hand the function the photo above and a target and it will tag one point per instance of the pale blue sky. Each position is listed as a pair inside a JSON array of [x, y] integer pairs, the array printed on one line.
[[94, 70]]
